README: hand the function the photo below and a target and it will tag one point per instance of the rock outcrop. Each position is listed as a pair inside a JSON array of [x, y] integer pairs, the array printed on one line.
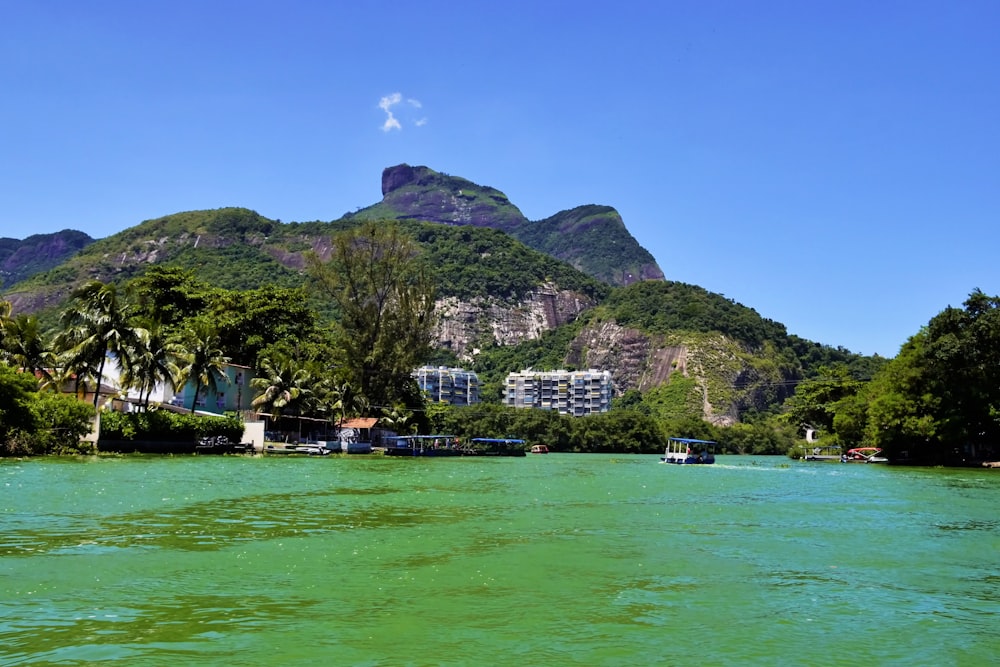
[[20, 260], [591, 238], [464, 326]]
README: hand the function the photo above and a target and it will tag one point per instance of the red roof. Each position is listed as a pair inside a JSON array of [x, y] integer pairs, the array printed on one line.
[[359, 422]]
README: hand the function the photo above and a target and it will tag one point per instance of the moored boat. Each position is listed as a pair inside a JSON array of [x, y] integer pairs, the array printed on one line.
[[302, 450], [864, 455], [497, 447], [423, 445], [539, 449], [830, 453], [689, 451]]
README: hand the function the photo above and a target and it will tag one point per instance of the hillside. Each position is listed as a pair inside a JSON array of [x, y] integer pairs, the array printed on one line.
[[686, 350], [19, 260], [593, 239]]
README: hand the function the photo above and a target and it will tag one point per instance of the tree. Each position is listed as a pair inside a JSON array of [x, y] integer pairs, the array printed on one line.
[[902, 406], [33, 422], [815, 401], [16, 396], [201, 359], [284, 386], [385, 300], [152, 362], [171, 295], [96, 323], [252, 320]]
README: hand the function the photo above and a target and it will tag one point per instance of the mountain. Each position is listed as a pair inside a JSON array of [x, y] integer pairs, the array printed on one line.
[[591, 238], [567, 291], [20, 260]]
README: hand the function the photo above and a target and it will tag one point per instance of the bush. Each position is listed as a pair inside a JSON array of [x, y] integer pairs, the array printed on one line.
[[165, 426], [34, 423]]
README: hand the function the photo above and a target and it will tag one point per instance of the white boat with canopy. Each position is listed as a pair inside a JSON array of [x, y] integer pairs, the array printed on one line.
[[689, 451]]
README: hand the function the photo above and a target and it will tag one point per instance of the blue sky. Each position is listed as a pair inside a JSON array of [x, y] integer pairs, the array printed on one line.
[[833, 165]]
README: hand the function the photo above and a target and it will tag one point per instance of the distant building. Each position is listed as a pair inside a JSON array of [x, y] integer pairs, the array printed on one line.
[[574, 393], [455, 386]]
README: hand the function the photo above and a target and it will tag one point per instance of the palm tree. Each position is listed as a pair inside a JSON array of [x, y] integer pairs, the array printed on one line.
[[201, 359], [346, 401], [95, 324], [284, 386], [24, 346]]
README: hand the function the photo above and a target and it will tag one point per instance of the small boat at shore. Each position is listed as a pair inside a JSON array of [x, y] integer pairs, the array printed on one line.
[[687, 451], [424, 445], [497, 447], [539, 449], [864, 455], [830, 453], [301, 450]]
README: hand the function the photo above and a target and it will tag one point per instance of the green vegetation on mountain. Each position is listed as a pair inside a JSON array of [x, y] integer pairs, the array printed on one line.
[[612, 254], [661, 307], [476, 263]]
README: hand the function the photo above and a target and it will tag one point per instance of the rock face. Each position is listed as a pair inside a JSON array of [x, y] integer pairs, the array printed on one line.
[[22, 259], [423, 194], [727, 378], [463, 325]]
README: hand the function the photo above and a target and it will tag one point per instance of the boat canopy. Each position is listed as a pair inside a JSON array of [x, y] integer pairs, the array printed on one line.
[[512, 441], [692, 441]]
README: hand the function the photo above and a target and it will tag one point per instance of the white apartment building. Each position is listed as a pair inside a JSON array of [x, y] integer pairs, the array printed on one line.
[[455, 386], [574, 393]]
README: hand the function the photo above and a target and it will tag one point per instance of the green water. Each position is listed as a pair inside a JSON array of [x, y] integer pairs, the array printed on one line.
[[546, 560]]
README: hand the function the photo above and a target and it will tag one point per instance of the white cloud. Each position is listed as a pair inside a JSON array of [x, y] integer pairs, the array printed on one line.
[[386, 104], [391, 122]]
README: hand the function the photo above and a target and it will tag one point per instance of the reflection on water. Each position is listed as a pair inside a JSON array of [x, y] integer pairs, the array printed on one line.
[[564, 559]]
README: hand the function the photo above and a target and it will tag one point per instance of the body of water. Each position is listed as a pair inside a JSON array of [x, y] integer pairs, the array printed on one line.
[[555, 559]]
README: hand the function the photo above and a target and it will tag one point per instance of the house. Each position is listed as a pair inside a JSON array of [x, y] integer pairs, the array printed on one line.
[[232, 396]]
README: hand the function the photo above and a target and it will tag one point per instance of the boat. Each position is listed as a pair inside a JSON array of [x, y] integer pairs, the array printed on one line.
[[821, 453], [864, 455], [301, 450], [539, 449], [423, 445], [689, 451], [497, 447]]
